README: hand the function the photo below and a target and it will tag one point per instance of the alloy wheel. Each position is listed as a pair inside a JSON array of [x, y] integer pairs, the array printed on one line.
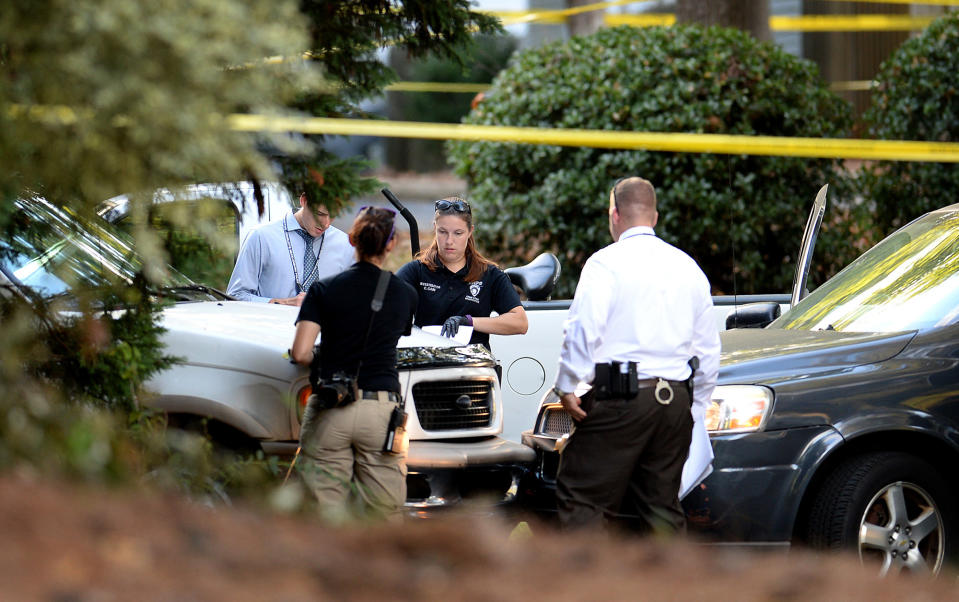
[[902, 528]]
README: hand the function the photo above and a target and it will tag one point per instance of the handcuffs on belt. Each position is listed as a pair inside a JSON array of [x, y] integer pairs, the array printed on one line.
[[662, 385]]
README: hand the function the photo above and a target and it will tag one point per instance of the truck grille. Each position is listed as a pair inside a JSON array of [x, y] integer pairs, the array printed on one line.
[[441, 405], [556, 421]]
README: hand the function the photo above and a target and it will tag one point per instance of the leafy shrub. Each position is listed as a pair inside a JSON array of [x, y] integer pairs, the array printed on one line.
[[916, 97], [740, 217]]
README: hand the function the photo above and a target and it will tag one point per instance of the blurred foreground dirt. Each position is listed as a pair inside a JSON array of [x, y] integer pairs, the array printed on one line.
[[62, 542]]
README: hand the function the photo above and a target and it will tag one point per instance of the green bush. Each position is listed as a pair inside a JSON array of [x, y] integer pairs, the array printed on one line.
[[739, 216], [916, 97]]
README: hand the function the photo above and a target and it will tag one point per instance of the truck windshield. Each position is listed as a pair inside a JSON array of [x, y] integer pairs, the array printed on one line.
[[909, 281], [61, 252]]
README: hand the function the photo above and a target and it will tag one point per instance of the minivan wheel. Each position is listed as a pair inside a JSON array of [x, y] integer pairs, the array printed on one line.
[[891, 507]]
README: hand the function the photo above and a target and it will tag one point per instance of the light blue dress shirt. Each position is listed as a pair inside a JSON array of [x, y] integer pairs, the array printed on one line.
[[264, 268]]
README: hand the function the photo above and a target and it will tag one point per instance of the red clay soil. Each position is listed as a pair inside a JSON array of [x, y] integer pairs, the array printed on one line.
[[62, 542]]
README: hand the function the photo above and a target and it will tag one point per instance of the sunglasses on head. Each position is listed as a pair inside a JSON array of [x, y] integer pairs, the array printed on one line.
[[458, 205], [390, 211]]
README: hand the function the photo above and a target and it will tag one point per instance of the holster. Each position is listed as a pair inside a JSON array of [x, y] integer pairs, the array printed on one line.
[[615, 380]]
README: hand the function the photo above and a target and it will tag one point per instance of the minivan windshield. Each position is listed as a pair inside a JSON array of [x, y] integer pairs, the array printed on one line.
[[61, 252], [909, 281]]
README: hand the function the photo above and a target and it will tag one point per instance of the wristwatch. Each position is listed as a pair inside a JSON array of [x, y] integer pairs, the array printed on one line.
[[560, 393]]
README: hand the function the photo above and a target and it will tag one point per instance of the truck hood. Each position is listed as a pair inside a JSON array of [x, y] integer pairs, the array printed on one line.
[[240, 335], [766, 355]]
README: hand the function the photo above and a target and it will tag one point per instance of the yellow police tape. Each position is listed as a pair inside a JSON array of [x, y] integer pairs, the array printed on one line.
[[850, 23], [798, 23], [559, 16], [472, 88], [643, 20], [555, 16], [893, 150]]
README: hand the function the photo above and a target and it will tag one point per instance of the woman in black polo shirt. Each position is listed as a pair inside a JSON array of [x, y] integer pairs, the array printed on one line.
[[341, 448], [456, 285]]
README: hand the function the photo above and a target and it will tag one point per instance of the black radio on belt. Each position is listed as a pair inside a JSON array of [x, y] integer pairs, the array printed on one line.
[[615, 380]]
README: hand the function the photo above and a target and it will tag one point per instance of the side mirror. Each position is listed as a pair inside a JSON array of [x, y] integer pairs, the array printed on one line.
[[753, 315], [537, 278]]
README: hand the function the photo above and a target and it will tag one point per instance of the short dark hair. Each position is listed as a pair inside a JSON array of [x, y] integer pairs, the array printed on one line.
[[633, 194]]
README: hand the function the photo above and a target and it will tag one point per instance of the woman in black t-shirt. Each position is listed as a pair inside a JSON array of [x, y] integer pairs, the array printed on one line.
[[457, 285], [341, 448]]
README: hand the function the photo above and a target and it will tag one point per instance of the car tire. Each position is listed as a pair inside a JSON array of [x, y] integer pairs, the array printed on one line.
[[893, 508]]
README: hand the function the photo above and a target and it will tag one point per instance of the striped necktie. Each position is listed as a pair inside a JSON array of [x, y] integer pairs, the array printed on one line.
[[309, 261]]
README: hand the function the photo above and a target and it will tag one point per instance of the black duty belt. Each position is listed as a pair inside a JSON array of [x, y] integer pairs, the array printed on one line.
[[650, 383]]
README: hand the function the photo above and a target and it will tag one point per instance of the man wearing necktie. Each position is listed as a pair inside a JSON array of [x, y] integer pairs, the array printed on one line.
[[279, 262]]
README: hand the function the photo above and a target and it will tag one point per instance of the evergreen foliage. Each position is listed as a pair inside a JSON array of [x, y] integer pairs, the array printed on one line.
[[98, 99], [115, 97], [741, 217], [915, 97]]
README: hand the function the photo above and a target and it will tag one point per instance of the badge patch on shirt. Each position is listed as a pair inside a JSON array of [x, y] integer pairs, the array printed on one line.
[[475, 288]]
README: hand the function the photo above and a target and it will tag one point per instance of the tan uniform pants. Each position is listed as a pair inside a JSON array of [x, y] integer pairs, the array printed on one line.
[[342, 461]]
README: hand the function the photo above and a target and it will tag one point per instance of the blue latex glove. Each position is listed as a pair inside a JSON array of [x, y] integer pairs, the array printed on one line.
[[452, 325]]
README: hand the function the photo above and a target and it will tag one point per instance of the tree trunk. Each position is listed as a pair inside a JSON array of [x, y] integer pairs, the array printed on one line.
[[851, 55], [584, 23], [748, 15]]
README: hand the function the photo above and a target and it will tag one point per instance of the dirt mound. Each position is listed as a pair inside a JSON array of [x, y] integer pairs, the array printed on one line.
[[63, 542]]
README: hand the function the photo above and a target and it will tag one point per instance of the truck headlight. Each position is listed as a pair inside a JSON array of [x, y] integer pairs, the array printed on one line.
[[738, 409]]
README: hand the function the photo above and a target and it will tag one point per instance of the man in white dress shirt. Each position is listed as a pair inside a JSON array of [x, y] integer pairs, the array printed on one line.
[[641, 313], [279, 261]]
